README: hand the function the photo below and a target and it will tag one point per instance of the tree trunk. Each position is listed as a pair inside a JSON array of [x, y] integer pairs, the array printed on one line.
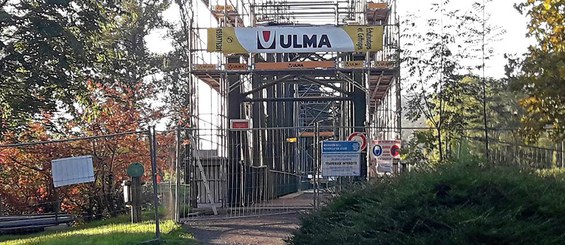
[[440, 146]]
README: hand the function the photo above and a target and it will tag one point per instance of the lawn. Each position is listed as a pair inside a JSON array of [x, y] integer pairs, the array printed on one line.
[[110, 231]]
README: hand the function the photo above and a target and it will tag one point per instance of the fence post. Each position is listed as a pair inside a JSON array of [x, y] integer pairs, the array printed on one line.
[[459, 149], [563, 153], [153, 153], [177, 174], [316, 165]]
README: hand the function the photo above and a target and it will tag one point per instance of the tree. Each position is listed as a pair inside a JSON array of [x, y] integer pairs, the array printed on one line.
[[438, 57], [122, 53], [178, 84], [541, 74], [26, 183], [44, 55], [99, 85], [50, 48]]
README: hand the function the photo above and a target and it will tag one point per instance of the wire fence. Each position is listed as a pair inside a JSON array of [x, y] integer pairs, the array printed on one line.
[[27, 184], [229, 173], [505, 147]]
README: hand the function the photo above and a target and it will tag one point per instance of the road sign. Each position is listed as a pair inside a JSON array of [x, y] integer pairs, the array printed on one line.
[[135, 170], [389, 152], [377, 150], [395, 150], [341, 158], [359, 137], [240, 124]]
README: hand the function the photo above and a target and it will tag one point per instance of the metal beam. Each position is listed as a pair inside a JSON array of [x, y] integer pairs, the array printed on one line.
[[376, 86], [292, 99], [350, 80], [327, 84], [266, 85]]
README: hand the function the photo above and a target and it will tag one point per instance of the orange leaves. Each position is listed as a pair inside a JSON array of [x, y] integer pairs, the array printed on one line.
[[26, 176]]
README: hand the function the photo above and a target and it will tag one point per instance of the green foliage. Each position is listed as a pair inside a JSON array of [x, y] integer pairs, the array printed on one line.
[[50, 49], [112, 231], [122, 53], [541, 75], [43, 55], [454, 204]]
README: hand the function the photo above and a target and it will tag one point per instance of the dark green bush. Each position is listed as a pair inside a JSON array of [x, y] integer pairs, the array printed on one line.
[[455, 204]]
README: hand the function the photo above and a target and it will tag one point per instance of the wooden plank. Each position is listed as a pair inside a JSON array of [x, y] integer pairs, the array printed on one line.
[[384, 64], [222, 8], [266, 66], [321, 134], [236, 67], [358, 64], [373, 6], [205, 67]]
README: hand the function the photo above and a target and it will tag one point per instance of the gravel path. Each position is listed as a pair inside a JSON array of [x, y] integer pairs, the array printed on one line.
[[269, 229]]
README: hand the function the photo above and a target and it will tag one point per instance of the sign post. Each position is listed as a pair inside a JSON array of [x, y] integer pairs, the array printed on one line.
[[132, 191], [341, 158]]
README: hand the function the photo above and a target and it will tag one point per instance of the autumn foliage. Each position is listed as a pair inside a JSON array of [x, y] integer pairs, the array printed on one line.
[[25, 182]]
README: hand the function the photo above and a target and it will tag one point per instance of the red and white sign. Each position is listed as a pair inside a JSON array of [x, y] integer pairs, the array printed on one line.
[[390, 152], [359, 137], [240, 124], [390, 148]]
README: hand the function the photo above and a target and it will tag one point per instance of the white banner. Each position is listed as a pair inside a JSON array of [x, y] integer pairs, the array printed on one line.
[[290, 39]]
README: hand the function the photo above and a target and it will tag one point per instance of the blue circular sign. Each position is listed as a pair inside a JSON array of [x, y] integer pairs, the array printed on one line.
[[377, 150]]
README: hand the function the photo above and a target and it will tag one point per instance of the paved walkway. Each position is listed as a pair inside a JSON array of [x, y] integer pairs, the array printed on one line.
[[268, 229]]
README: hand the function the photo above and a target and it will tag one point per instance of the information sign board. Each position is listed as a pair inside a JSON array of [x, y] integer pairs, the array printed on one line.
[[341, 158]]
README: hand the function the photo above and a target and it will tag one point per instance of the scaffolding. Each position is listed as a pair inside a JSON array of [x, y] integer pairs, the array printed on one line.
[[336, 90]]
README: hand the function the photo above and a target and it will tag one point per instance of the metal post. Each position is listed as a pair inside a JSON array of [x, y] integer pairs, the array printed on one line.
[[135, 188], [368, 148], [177, 175], [316, 165], [153, 152], [563, 153]]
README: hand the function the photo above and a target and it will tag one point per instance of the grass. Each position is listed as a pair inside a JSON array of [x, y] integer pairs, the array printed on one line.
[[454, 204], [111, 231]]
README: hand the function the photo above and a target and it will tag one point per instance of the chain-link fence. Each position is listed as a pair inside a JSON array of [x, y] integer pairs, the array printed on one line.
[[27, 179], [202, 173], [504, 147]]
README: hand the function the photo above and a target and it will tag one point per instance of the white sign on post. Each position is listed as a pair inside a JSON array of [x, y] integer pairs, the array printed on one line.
[[72, 170], [341, 158]]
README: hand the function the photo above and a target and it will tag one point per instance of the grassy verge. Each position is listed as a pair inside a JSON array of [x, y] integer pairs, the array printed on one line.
[[111, 231], [456, 204]]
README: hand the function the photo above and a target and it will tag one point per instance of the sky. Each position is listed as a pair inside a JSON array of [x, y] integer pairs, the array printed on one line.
[[503, 14]]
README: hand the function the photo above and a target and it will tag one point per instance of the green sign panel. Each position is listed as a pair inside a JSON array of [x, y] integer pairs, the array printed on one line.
[[135, 170]]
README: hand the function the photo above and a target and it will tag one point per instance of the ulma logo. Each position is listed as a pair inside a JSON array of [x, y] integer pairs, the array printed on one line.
[[266, 39]]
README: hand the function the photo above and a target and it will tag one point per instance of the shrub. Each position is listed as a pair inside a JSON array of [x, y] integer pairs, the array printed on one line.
[[455, 204]]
